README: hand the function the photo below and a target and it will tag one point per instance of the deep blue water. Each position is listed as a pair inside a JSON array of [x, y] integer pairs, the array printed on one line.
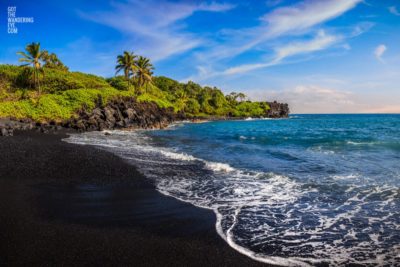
[[310, 189]]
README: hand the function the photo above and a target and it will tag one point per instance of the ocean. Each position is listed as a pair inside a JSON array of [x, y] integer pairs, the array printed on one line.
[[307, 190]]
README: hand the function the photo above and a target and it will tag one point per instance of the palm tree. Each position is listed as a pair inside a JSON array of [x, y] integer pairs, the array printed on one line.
[[127, 63], [144, 72], [51, 61], [33, 57]]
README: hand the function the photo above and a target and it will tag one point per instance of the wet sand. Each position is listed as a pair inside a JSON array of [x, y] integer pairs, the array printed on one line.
[[72, 205]]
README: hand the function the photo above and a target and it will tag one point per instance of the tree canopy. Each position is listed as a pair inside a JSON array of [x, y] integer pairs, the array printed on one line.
[[189, 98]]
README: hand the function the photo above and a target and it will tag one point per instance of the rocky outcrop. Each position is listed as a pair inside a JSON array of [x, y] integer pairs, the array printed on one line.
[[277, 110], [123, 113], [8, 126]]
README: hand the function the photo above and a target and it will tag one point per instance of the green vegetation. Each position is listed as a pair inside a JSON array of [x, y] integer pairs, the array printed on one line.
[[137, 70], [58, 106], [51, 61], [62, 93], [126, 63], [144, 72], [33, 56]]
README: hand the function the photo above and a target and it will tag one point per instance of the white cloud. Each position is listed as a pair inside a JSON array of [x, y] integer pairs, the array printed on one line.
[[296, 21], [290, 20], [394, 10], [305, 15], [153, 28], [246, 68], [361, 28], [157, 29], [379, 51], [319, 42]]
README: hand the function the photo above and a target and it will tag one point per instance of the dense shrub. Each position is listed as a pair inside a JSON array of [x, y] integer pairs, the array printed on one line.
[[65, 92], [249, 109], [51, 81], [56, 106], [118, 82], [192, 106], [163, 103]]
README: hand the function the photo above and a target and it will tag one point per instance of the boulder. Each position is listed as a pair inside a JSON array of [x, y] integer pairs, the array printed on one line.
[[4, 132], [80, 125], [130, 113]]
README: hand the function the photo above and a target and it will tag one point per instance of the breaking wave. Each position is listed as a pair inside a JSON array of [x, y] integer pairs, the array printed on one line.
[[270, 217]]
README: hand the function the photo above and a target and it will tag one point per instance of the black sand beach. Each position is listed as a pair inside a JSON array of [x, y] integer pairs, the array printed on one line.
[[71, 205]]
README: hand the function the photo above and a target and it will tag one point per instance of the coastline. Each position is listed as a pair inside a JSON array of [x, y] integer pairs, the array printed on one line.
[[66, 204]]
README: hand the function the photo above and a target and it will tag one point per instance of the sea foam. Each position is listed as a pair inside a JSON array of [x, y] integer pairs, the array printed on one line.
[[262, 211]]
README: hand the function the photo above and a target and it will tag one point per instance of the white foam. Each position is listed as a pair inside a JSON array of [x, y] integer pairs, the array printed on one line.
[[218, 167], [346, 177], [179, 156], [247, 200], [361, 143]]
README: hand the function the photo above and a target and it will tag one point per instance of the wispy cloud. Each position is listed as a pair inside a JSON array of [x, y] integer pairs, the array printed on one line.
[[319, 42], [159, 29], [379, 51], [153, 27], [394, 11], [289, 20], [305, 15], [297, 21], [361, 28]]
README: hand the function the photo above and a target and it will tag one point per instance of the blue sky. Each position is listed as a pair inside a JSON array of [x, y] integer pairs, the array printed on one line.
[[320, 56]]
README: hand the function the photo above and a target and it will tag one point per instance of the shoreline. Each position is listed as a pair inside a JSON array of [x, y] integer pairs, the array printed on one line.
[[10, 125], [124, 113], [67, 204]]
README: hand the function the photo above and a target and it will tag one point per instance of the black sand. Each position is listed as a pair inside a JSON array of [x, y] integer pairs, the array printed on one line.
[[71, 205]]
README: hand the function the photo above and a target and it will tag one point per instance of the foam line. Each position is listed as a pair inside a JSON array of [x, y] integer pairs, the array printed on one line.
[[257, 208]]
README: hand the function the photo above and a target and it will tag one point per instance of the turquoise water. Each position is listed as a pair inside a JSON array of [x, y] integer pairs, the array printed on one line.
[[311, 189]]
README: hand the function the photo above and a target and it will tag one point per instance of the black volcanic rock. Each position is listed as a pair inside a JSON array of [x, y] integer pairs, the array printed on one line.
[[7, 126], [124, 112], [278, 110]]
